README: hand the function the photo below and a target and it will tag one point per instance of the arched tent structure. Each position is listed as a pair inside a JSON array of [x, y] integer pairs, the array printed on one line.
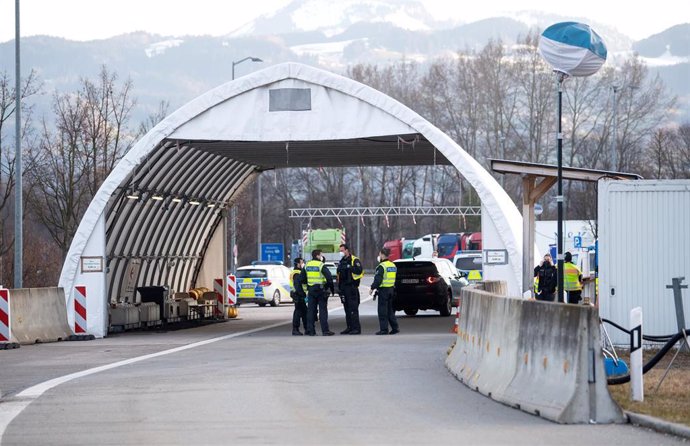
[[158, 217]]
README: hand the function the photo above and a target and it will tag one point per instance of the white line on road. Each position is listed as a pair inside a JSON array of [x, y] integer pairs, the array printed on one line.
[[9, 410]]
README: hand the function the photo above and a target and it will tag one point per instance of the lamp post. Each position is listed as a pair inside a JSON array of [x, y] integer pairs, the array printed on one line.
[[614, 137], [18, 201], [572, 49], [237, 62], [233, 211]]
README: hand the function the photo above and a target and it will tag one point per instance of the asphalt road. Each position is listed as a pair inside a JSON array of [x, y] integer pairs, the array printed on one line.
[[237, 383]]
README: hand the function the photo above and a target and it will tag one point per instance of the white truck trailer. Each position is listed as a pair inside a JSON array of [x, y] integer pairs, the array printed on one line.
[[644, 242]]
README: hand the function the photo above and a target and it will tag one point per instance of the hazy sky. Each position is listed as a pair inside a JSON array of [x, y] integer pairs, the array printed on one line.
[[97, 19]]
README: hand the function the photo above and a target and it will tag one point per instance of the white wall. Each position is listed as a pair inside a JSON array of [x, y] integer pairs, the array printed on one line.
[[644, 242], [545, 234], [95, 283], [492, 240], [212, 266]]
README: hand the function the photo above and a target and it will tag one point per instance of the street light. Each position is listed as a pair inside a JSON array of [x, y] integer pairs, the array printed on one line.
[[233, 211], [237, 62]]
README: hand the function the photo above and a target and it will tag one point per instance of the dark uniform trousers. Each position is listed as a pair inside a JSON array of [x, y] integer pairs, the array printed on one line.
[[317, 296], [300, 314], [351, 304], [385, 309]]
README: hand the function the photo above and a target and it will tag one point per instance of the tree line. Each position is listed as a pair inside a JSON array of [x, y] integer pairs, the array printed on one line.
[[496, 102]]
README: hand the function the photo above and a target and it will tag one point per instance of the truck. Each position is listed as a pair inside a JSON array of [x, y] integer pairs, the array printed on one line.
[[425, 246], [449, 244], [643, 243], [327, 240], [396, 248]]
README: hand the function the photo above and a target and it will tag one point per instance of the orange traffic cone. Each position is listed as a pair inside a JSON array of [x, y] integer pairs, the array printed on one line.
[[457, 319]]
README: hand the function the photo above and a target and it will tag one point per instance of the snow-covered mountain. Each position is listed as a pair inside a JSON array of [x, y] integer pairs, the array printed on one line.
[[178, 68], [332, 18]]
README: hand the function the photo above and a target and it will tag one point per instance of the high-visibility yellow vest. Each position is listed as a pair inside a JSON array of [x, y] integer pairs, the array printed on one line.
[[356, 276], [389, 272], [294, 273], [571, 277], [314, 275]]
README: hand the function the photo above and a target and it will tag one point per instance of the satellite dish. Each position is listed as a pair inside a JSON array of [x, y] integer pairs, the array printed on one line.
[[573, 48]]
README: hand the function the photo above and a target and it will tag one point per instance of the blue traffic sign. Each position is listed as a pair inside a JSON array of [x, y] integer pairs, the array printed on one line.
[[272, 252], [577, 241]]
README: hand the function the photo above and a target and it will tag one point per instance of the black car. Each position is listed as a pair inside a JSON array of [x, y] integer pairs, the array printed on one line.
[[428, 284]]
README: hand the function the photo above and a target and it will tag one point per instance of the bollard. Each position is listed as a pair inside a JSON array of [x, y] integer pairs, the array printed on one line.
[[232, 289], [636, 374], [6, 321], [80, 309]]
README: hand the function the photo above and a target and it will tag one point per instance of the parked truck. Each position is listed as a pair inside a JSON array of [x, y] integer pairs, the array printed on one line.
[[327, 240]]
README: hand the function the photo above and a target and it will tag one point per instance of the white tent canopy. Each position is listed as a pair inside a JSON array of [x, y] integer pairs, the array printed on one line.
[[191, 166]]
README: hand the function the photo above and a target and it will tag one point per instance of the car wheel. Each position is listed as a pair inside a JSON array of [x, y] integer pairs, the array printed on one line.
[[262, 304], [411, 311], [448, 305], [276, 298]]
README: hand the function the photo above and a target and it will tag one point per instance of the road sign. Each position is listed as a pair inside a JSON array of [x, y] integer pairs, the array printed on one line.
[[272, 252], [577, 241]]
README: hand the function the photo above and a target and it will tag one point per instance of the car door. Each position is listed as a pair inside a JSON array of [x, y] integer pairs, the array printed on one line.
[[454, 278]]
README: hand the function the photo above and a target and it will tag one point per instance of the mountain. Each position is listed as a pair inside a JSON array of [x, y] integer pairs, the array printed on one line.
[[673, 42], [315, 32], [331, 18]]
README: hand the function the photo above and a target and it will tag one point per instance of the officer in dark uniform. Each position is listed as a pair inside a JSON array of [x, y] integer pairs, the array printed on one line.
[[384, 282], [318, 280], [349, 275], [299, 297]]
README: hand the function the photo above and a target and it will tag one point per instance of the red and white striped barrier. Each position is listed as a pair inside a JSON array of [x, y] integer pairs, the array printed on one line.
[[218, 289], [232, 290], [80, 309], [5, 315]]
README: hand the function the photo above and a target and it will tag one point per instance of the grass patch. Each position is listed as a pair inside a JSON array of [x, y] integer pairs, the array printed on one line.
[[672, 401]]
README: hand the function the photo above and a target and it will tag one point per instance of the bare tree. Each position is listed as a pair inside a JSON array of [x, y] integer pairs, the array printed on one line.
[[71, 160], [8, 94]]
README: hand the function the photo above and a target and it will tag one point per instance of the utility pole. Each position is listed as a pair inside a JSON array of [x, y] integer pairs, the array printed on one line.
[[614, 137], [233, 212], [18, 200]]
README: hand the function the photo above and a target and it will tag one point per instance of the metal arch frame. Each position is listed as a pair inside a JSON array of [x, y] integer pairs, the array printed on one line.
[[161, 234], [386, 211]]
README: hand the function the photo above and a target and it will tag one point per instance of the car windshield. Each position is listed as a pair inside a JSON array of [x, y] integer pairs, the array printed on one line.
[[251, 273], [426, 268], [446, 249], [468, 263]]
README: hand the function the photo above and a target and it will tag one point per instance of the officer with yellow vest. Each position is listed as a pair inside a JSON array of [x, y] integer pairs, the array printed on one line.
[[349, 274], [318, 280], [572, 279], [384, 282], [299, 297]]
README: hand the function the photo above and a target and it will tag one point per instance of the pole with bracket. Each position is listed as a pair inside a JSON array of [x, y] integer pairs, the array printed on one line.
[[678, 298]]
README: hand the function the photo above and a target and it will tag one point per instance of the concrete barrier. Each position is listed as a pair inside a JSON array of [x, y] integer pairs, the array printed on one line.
[[39, 315], [540, 357], [498, 287]]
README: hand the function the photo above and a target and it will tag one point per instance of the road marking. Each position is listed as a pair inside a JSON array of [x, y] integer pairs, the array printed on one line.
[[11, 408]]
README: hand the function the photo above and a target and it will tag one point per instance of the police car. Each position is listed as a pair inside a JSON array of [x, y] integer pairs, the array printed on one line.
[[469, 264], [263, 284]]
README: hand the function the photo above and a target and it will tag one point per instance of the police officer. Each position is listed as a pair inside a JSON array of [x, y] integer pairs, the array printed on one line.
[[318, 280], [349, 275], [384, 281], [572, 279], [299, 297]]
